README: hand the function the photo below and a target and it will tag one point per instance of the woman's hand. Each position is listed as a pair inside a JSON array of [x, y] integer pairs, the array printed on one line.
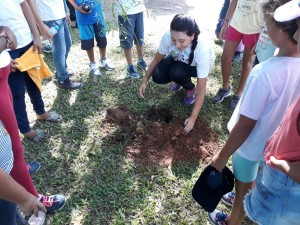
[[189, 124], [219, 162], [31, 205], [143, 87]]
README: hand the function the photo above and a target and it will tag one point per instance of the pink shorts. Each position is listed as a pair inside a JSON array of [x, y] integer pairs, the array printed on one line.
[[249, 40]]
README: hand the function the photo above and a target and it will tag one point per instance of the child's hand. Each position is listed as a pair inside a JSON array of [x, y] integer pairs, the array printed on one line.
[[44, 32], [281, 165], [223, 31], [219, 162], [10, 36], [37, 45], [31, 205], [80, 9], [13, 64]]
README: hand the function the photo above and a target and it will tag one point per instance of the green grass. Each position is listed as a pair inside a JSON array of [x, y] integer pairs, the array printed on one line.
[[83, 160]]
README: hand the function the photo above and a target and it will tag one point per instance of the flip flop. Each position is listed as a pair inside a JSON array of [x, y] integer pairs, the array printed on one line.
[[40, 134], [53, 117]]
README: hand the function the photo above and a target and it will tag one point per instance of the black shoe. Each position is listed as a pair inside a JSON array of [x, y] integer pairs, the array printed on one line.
[[234, 101], [69, 84], [219, 97]]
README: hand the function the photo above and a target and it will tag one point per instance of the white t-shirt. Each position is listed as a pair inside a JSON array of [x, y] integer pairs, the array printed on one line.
[[12, 16], [247, 16], [51, 10], [4, 59], [271, 87], [204, 55], [130, 7]]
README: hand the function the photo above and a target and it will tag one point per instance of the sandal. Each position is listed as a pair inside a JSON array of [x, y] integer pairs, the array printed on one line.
[[53, 117], [40, 134]]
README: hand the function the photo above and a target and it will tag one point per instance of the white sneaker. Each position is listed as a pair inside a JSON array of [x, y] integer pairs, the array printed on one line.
[[94, 70], [40, 220], [104, 63]]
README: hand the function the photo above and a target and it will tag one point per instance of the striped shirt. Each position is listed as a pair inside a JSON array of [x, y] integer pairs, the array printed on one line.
[[6, 154]]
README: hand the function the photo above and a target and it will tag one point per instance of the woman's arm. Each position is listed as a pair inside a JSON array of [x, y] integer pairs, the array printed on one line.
[[200, 90], [43, 28], [11, 191], [32, 25], [157, 58]]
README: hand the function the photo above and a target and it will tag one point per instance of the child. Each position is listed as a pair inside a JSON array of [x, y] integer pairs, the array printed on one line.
[[279, 179], [270, 89], [19, 170], [183, 53], [49, 14], [19, 18], [131, 28], [239, 50], [242, 23], [92, 24]]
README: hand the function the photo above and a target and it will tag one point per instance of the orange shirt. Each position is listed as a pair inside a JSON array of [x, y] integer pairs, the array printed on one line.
[[285, 142]]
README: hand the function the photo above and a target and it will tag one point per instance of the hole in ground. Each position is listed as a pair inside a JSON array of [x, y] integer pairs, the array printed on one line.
[[160, 114]]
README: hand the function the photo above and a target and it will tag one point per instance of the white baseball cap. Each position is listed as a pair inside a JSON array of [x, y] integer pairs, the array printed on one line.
[[288, 11]]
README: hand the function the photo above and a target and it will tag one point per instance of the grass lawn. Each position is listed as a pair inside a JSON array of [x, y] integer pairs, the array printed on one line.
[[82, 159]]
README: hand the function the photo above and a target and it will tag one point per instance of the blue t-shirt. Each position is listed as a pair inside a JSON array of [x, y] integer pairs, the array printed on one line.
[[96, 16]]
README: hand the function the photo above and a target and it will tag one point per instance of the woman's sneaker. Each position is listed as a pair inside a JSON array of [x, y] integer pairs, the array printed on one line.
[[189, 97], [228, 198], [218, 218], [53, 203], [175, 87]]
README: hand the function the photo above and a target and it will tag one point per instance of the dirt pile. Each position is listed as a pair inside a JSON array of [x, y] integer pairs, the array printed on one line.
[[163, 143]]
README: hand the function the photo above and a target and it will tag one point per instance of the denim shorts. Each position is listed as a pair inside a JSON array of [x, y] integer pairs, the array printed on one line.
[[88, 32], [275, 199], [131, 29], [244, 170]]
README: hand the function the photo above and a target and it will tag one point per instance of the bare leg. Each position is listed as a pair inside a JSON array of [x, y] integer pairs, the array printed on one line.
[[128, 55], [247, 63], [139, 50], [226, 60], [90, 54], [237, 211], [102, 52]]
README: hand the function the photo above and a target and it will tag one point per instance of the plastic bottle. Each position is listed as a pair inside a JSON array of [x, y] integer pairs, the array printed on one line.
[[53, 30]]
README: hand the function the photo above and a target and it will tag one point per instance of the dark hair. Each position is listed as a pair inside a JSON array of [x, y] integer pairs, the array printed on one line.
[[290, 27], [188, 25]]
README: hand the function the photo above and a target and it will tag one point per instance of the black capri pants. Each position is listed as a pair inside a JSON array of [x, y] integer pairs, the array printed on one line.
[[169, 70]]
